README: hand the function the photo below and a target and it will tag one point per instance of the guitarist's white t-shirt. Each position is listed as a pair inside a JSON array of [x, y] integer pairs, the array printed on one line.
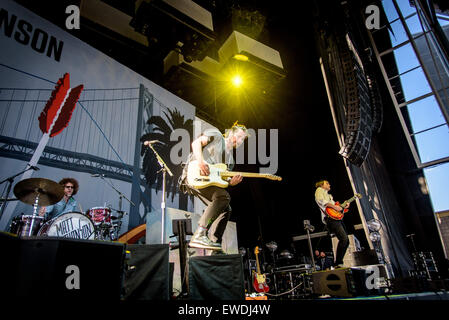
[[215, 152], [322, 198]]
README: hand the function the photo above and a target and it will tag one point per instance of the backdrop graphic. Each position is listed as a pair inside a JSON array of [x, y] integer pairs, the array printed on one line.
[[115, 111]]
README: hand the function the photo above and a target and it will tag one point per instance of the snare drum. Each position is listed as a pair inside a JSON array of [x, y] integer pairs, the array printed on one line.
[[21, 225], [74, 225], [100, 215]]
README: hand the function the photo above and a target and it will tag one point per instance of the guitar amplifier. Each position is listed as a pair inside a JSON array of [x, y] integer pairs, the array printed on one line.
[[339, 282]]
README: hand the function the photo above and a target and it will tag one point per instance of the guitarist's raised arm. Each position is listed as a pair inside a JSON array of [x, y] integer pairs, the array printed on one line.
[[197, 149]]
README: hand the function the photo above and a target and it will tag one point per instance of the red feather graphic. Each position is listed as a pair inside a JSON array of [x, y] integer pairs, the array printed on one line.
[[51, 108], [54, 103], [66, 111]]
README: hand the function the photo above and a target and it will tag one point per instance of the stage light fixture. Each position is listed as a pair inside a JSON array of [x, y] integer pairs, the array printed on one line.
[[374, 225], [241, 57], [374, 236], [237, 80], [180, 25]]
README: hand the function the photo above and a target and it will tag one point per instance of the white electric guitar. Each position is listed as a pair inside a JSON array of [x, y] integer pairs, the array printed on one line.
[[218, 172]]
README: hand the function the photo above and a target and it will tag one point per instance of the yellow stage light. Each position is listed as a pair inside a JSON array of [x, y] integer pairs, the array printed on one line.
[[241, 57], [237, 81]]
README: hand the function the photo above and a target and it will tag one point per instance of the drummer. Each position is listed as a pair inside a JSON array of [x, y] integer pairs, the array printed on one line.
[[66, 204]]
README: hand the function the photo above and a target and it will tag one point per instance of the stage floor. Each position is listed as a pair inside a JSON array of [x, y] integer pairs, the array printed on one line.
[[439, 295]]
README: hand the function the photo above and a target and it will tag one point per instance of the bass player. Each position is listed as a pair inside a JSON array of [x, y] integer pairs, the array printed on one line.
[[212, 147], [324, 201]]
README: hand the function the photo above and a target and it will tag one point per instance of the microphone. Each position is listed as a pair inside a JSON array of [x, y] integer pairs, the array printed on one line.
[[148, 142], [34, 168]]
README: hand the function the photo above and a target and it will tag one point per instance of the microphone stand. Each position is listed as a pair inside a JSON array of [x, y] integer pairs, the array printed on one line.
[[309, 228], [164, 169], [121, 196], [10, 181]]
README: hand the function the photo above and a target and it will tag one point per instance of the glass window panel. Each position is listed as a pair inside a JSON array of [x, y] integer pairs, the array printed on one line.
[[443, 21], [389, 62], [414, 25], [414, 84], [405, 7], [389, 9], [425, 114], [437, 178], [398, 35], [398, 90], [433, 144], [405, 58]]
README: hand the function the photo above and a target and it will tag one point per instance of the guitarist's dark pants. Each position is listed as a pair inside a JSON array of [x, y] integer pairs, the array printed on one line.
[[338, 228], [218, 211]]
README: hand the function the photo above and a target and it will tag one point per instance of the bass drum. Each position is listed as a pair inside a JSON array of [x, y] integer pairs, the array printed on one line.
[[74, 225]]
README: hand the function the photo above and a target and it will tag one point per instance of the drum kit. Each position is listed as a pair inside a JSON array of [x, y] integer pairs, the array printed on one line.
[[97, 223]]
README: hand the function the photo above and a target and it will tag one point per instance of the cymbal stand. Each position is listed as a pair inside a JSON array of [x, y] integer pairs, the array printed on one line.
[[10, 181], [121, 196], [164, 169], [36, 202]]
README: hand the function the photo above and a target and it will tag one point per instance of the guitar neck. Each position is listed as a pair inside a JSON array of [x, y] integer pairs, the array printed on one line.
[[349, 201], [243, 174], [257, 264]]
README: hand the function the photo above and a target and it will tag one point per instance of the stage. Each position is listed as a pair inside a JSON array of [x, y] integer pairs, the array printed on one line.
[[62, 268]]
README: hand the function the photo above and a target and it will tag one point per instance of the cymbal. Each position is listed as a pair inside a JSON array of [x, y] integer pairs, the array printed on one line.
[[49, 191]]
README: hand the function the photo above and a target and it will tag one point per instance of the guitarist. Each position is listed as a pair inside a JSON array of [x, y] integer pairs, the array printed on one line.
[[212, 147], [337, 227]]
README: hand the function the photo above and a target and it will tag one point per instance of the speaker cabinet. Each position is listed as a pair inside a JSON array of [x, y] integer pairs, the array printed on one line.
[[62, 268], [218, 277], [339, 282], [148, 274]]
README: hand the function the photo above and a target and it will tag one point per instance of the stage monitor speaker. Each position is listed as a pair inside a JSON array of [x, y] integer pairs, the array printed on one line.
[[339, 282], [217, 277], [148, 274], [47, 267]]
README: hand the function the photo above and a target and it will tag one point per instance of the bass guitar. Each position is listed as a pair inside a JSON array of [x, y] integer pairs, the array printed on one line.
[[217, 174], [337, 215], [259, 279]]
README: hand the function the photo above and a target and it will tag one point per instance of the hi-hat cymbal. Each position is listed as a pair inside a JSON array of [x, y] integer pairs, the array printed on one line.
[[49, 191]]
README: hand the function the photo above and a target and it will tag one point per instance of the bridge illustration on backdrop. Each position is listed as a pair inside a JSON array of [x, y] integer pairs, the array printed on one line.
[[103, 136]]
